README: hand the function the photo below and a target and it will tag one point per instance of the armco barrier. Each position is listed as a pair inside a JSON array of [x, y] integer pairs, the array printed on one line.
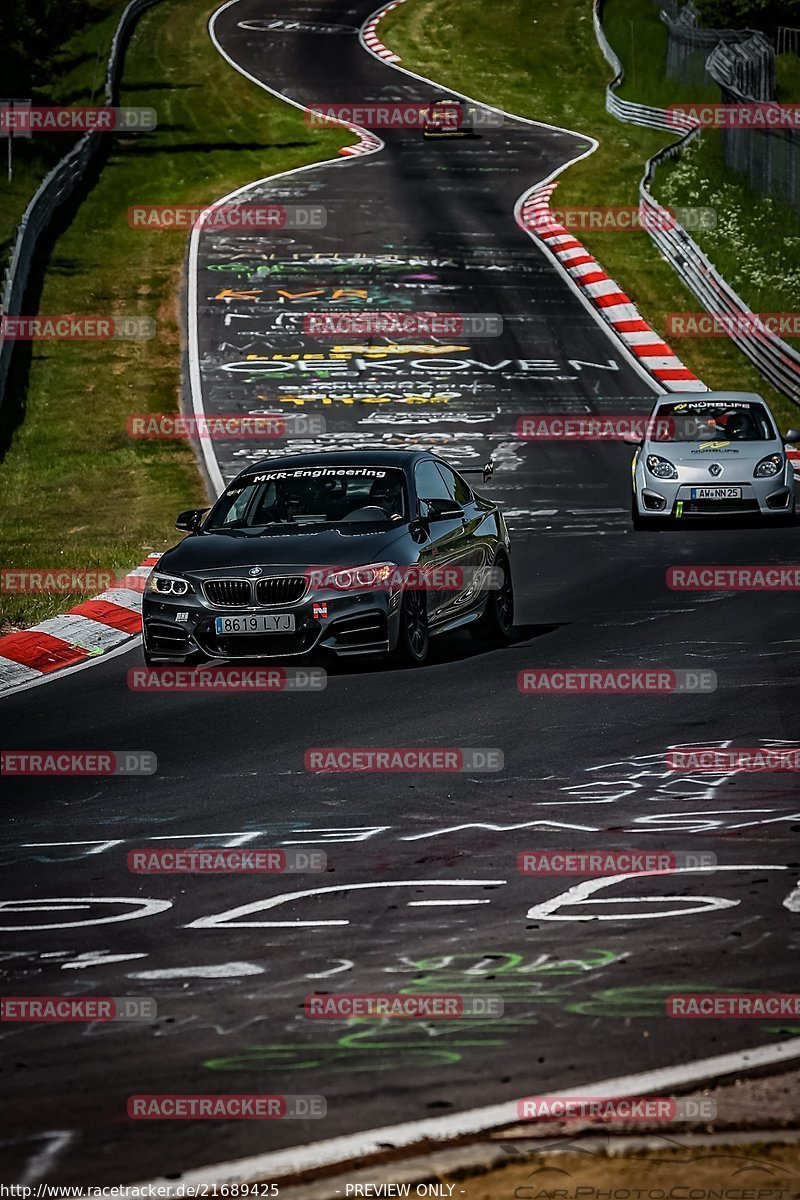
[[775, 359], [689, 45], [57, 187], [628, 110]]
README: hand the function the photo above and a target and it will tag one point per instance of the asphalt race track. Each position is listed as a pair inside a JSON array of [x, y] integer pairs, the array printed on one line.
[[423, 892]]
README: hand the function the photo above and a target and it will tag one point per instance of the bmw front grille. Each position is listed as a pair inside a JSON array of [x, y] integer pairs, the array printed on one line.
[[246, 593]]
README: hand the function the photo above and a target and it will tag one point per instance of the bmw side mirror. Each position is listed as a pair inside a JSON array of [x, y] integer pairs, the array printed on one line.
[[189, 521], [632, 441], [792, 436], [441, 510], [419, 526]]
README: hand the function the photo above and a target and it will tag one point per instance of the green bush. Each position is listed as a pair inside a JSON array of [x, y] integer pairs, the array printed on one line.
[[756, 14], [33, 34]]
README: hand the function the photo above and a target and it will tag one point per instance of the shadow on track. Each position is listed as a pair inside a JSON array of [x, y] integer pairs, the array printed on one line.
[[449, 648]]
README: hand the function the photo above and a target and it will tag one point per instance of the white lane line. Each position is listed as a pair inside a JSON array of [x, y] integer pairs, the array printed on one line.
[[195, 379], [349, 1147]]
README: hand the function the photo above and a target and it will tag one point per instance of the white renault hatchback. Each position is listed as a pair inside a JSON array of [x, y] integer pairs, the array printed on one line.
[[713, 454]]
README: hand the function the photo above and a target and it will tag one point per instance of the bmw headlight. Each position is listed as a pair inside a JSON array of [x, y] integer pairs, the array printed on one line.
[[166, 585], [769, 466], [662, 468], [370, 577]]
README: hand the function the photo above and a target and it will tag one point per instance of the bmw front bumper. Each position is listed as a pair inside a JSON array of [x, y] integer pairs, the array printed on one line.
[[342, 623]]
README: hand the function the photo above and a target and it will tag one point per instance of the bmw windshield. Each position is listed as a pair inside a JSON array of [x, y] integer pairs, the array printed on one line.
[[311, 496]]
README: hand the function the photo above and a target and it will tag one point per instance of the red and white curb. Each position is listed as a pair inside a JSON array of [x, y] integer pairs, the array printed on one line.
[[369, 38], [369, 34], [367, 145], [86, 631], [617, 309]]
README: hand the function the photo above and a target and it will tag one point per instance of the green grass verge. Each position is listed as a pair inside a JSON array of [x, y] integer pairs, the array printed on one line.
[[78, 78], [756, 242], [543, 62], [787, 77], [77, 491]]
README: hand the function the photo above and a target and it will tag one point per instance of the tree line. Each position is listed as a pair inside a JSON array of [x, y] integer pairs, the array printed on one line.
[[765, 15]]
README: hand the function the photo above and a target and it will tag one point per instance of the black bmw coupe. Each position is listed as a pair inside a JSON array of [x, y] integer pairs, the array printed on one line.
[[352, 552]]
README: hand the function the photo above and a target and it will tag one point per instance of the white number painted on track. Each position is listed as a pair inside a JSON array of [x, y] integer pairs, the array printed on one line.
[[229, 919], [64, 905], [579, 896]]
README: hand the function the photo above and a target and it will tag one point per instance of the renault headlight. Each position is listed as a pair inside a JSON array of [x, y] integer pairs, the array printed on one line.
[[769, 466], [662, 468]]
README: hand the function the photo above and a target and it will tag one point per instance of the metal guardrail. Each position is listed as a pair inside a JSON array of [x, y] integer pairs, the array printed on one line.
[[57, 187], [747, 67], [776, 360], [787, 40], [741, 63], [628, 110], [689, 44]]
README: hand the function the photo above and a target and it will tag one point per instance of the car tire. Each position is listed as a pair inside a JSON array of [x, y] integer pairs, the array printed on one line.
[[496, 622], [413, 641]]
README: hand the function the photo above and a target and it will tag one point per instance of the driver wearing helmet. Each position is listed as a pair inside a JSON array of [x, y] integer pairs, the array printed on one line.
[[739, 427]]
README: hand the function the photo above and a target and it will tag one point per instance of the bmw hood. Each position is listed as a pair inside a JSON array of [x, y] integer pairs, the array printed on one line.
[[342, 545]]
